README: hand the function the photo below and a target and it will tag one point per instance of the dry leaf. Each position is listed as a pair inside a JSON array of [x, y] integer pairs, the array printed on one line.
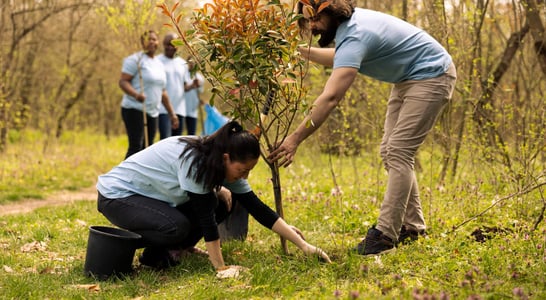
[[8, 269], [231, 272], [34, 246], [89, 287]]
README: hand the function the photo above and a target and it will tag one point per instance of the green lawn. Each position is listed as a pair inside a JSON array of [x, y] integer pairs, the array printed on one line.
[[42, 253]]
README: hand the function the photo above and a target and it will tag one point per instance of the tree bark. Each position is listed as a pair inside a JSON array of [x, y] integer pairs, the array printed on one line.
[[537, 30], [486, 122]]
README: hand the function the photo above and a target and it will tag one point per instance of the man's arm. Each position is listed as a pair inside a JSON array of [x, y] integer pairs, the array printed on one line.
[[323, 56], [334, 91], [167, 104]]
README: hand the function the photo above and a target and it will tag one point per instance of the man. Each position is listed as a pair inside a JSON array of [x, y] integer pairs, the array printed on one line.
[[194, 89], [177, 74], [385, 48]]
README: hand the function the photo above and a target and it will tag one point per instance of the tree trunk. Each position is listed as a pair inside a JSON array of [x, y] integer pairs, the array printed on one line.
[[68, 106], [537, 30], [486, 122], [276, 179]]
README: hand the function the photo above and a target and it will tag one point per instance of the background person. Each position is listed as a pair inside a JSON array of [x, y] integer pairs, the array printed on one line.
[[167, 194], [143, 82], [194, 88], [385, 48], [176, 70]]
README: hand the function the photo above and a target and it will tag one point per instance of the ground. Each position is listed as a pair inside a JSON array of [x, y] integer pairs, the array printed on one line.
[[59, 198]]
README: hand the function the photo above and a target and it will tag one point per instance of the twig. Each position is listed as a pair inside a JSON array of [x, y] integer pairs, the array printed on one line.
[[523, 192]]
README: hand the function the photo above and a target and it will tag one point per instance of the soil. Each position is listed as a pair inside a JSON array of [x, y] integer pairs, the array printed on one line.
[[59, 198]]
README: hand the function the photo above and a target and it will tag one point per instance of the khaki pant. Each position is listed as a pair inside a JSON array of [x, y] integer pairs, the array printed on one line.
[[412, 110]]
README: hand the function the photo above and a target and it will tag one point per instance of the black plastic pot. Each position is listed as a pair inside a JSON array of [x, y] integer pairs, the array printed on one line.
[[110, 252]]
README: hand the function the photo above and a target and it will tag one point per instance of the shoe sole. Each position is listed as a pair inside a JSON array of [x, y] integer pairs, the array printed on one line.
[[381, 253]]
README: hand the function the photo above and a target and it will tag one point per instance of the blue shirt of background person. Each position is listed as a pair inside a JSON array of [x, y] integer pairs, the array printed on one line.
[[143, 82], [195, 84], [388, 49], [176, 69], [154, 80]]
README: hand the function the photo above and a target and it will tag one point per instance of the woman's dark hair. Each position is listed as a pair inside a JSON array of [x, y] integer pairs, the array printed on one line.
[[144, 37], [340, 10], [207, 152]]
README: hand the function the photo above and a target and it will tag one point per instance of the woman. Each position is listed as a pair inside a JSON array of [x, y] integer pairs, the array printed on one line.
[[143, 81], [167, 194]]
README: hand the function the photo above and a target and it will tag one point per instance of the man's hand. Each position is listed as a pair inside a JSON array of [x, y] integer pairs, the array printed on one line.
[[285, 152], [174, 122]]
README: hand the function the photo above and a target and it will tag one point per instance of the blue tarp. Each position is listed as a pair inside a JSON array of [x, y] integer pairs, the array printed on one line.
[[214, 120]]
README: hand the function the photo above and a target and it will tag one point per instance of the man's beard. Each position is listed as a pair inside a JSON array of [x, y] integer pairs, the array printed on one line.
[[327, 37]]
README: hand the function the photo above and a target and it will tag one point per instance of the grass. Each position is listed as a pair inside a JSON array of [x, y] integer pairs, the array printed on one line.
[[35, 167], [42, 253]]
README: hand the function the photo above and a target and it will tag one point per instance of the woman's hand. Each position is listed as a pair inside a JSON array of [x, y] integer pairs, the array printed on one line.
[[224, 195], [294, 235], [312, 250], [297, 231]]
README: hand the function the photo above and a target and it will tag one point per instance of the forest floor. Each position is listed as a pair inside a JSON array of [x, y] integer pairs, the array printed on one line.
[[58, 198]]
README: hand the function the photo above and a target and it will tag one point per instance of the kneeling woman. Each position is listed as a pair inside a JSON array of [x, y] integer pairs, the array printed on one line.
[[167, 194]]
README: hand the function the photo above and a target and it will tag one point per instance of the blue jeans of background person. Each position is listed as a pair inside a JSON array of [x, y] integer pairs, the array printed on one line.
[[134, 126], [159, 224], [191, 125], [412, 110], [165, 127]]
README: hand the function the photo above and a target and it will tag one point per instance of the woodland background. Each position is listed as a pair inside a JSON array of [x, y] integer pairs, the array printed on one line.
[[60, 63], [481, 170]]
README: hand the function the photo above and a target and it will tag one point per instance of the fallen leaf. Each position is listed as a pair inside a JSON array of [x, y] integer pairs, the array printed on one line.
[[89, 287], [231, 272], [34, 246], [7, 269]]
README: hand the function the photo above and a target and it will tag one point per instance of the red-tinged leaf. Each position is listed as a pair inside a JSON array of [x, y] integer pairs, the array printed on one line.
[[288, 80], [323, 6], [175, 6], [308, 11], [164, 9], [235, 91], [168, 25], [207, 5], [178, 18], [306, 2]]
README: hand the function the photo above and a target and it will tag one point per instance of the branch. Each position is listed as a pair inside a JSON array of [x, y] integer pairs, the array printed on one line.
[[525, 191]]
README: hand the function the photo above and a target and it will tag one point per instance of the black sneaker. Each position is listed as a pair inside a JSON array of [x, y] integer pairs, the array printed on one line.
[[407, 236], [375, 243], [157, 258]]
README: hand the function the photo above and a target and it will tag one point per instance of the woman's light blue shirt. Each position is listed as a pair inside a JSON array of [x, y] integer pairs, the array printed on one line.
[[154, 81], [158, 172]]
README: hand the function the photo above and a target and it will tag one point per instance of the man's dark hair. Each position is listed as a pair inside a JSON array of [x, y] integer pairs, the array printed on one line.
[[339, 10]]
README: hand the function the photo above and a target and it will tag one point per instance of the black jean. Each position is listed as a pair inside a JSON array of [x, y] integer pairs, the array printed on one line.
[[134, 126], [159, 224]]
